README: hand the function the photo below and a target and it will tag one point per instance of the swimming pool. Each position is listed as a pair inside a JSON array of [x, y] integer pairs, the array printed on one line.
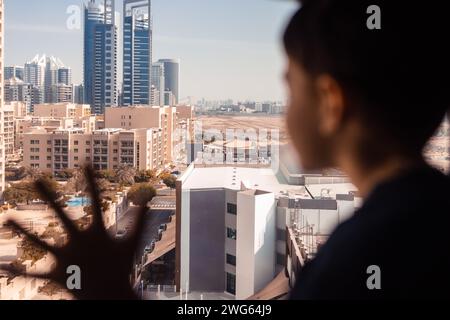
[[78, 202]]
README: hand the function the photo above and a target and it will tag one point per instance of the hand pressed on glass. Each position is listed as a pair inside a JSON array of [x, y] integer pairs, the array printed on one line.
[[105, 263]]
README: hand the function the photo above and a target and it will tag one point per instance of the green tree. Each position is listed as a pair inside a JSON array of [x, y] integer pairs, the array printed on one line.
[[32, 173], [78, 182], [24, 192], [145, 176], [125, 175], [170, 181], [106, 174], [66, 174], [141, 194]]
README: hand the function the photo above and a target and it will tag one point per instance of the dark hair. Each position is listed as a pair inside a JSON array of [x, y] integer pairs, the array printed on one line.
[[396, 77]]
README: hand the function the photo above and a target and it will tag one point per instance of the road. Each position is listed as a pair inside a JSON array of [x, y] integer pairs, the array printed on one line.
[[153, 220]]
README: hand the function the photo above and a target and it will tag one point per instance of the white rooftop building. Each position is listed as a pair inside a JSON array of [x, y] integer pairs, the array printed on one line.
[[232, 222]]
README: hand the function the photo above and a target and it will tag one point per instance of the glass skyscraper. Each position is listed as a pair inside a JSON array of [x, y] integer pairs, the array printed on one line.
[[158, 83], [137, 52], [100, 55], [171, 78]]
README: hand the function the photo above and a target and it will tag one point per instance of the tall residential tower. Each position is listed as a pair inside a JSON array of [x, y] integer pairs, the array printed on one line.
[[137, 52], [171, 79], [100, 55]]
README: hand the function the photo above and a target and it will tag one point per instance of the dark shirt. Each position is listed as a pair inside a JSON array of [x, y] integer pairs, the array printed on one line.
[[404, 229]]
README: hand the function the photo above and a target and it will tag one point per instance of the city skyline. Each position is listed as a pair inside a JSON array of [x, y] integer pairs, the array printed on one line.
[[242, 55]]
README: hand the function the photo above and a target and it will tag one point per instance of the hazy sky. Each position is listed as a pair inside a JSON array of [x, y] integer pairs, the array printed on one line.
[[227, 48]]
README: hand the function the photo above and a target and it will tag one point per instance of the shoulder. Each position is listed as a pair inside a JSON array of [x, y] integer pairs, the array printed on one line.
[[340, 268], [385, 232]]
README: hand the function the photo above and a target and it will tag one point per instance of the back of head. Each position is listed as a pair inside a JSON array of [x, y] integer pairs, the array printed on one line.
[[395, 69]]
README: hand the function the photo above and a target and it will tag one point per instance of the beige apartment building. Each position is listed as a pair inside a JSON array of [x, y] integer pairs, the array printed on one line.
[[62, 110], [18, 108], [135, 117], [8, 129], [53, 117], [106, 149], [2, 143], [66, 136]]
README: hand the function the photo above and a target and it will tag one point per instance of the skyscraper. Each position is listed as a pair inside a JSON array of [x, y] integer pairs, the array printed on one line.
[[51, 78], [65, 76], [100, 55], [158, 83], [78, 94], [14, 71], [2, 141], [34, 72], [137, 52], [17, 90], [171, 77]]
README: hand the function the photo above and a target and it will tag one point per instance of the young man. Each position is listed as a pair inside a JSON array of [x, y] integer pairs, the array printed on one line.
[[368, 88]]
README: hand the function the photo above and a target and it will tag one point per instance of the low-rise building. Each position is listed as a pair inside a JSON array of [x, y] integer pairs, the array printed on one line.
[[232, 222], [105, 149]]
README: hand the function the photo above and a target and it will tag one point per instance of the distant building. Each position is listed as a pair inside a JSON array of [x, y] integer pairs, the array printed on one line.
[[137, 52], [65, 76], [158, 82], [61, 93], [53, 117], [62, 110], [106, 149], [16, 90], [78, 94], [171, 77], [34, 71], [8, 129], [169, 98], [14, 72], [100, 55], [137, 117]]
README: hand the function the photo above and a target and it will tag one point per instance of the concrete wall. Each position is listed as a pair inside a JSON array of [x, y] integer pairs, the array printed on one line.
[[256, 239], [206, 252]]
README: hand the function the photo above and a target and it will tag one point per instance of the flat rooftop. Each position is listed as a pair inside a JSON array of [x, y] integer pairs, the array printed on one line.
[[230, 177], [264, 179]]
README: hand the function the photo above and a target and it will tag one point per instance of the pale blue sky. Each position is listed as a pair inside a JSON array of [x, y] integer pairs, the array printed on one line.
[[228, 48]]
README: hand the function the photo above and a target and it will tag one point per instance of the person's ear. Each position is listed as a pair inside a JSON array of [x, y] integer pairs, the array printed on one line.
[[331, 105]]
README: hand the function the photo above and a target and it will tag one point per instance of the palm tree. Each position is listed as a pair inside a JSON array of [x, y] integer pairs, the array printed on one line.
[[32, 173], [125, 175], [78, 181]]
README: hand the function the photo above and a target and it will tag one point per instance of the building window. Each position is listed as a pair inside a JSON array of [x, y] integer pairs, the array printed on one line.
[[231, 234], [231, 283], [231, 260], [231, 208], [281, 259], [75, 142]]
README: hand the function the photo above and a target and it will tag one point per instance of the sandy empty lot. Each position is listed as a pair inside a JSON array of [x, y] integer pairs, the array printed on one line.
[[437, 151], [246, 122]]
